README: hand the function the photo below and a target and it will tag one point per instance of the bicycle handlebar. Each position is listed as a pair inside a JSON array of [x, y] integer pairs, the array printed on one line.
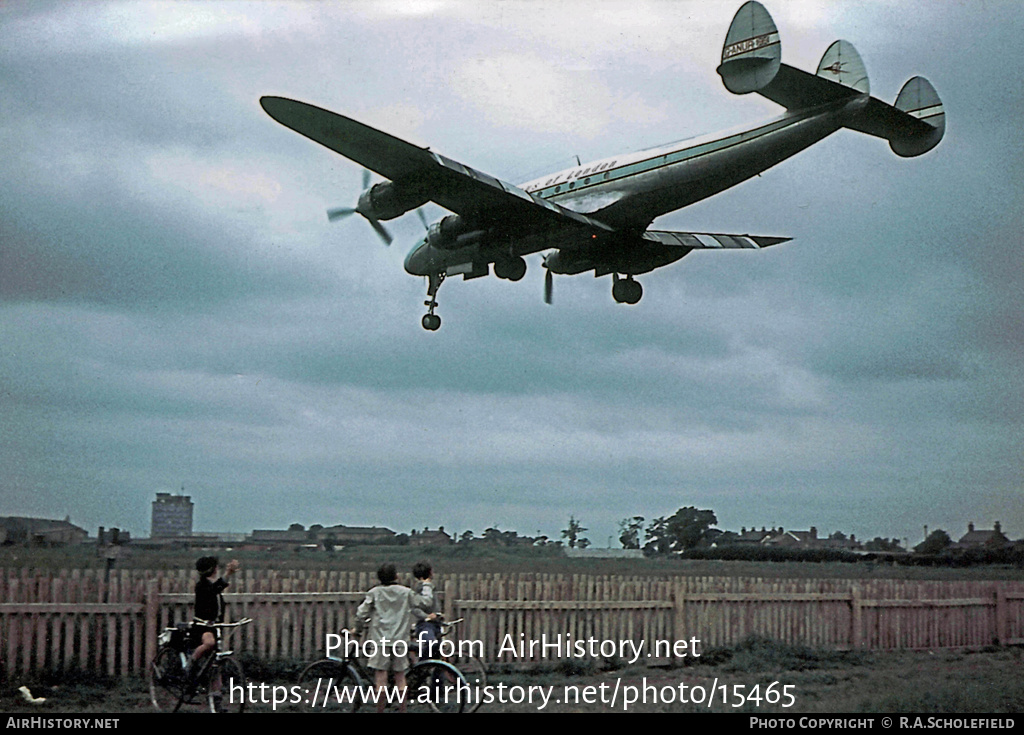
[[237, 623], [446, 624], [243, 621]]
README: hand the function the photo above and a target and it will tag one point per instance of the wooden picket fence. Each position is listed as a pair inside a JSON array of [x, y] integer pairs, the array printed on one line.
[[86, 620]]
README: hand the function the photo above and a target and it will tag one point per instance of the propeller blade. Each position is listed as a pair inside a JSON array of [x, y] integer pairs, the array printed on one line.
[[381, 232], [340, 213], [549, 285], [343, 212], [423, 219]]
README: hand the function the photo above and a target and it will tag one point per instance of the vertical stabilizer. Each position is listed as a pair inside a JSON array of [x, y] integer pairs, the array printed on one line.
[[914, 125], [751, 55], [919, 99], [842, 64]]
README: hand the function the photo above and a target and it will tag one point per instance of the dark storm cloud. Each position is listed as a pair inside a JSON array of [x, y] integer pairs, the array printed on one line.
[[105, 245], [88, 216]]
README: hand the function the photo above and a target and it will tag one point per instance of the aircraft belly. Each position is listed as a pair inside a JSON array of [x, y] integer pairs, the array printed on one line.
[[644, 260], [474, 258], [626, 255]]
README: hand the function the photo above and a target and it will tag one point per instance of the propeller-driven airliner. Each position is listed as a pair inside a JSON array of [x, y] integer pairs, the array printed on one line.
[[595, 216]]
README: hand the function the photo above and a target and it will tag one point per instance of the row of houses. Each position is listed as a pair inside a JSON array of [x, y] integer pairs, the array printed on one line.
[[993, 538], [781, 538], [330, 537], [983, 539], [23, 531], [45, 532]]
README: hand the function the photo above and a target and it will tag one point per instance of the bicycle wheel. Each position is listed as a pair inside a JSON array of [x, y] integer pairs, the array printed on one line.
[[166, 679], [436, 686], [231, 692], [331, 686], [195, 684], [475, 674]]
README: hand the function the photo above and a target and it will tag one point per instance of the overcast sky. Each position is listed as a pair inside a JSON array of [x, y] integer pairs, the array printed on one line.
[[176, 310]]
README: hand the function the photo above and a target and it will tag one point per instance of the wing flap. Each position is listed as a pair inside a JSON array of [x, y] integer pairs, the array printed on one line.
[[711, 241]]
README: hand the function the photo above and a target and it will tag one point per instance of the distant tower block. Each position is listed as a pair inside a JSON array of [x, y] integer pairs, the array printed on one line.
[[172, 516]]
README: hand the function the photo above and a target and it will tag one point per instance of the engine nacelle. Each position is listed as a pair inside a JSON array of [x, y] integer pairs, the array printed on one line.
[[452, 233], [387, 200], [567, 263]]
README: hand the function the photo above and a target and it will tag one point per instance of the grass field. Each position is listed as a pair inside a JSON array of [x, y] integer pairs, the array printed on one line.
[[960, 682]]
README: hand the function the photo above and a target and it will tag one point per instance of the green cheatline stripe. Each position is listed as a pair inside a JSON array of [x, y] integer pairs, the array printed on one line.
[[929, 111], [671, 158]]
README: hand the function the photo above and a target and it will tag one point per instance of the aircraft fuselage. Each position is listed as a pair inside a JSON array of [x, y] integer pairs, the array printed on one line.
[[627, 192]]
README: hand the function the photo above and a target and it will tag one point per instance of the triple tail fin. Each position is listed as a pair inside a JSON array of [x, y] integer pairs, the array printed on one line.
[[751, 62], [751, 55], [913, 126]]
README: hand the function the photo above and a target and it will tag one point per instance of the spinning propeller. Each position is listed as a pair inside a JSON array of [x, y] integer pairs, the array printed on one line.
[[549, 281], [343, 212]]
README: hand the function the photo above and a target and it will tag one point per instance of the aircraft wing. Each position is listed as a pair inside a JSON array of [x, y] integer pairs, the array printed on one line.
[[709, 241], [454, 186]]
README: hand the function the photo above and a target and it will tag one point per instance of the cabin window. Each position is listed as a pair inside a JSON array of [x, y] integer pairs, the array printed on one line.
[[586, 180]]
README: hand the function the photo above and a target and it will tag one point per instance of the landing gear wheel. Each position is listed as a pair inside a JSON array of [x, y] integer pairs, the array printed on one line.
[[512, 269], [431, 322], [627, 291]]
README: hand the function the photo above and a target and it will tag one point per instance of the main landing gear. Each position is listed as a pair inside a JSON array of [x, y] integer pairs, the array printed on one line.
[[431, 321], [510, 269], [626, 290]]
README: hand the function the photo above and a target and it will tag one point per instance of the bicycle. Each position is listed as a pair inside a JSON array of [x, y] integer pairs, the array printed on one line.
[[471, 667], [171, 683], [338, 684]]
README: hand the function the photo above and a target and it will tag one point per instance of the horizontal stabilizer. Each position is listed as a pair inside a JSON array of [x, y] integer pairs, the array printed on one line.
[[913, 126], [711, 241], [841, 76], [751, 55]]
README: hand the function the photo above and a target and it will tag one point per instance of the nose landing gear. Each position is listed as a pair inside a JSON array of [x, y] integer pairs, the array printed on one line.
[[431, 321]]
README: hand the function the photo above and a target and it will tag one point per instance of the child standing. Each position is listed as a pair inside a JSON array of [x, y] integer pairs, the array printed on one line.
[[388, 609], [427, 632]]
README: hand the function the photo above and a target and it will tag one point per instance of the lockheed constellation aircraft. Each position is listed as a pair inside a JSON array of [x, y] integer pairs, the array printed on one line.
[[594, 216]]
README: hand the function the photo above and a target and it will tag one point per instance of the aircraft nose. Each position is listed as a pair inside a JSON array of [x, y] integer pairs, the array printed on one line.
[[417, 260]]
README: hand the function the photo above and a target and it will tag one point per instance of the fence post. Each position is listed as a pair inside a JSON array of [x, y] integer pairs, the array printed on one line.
[[448, 608], [152, 613], [1002, 621], [678, 614], [856, 617]]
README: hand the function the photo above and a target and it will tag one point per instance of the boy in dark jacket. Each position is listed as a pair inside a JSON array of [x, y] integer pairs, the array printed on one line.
[[209, 608]]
